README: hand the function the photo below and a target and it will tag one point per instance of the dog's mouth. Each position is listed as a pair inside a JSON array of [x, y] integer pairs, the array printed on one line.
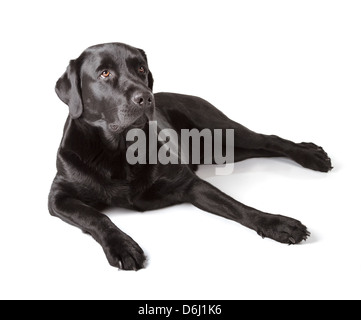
[[140, 122], [119, 126], [114, 127]]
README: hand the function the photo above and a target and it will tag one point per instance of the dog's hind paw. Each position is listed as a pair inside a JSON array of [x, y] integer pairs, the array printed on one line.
[[312, 157]]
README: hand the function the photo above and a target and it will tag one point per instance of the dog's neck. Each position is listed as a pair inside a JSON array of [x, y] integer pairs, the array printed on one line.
[[82, 138]]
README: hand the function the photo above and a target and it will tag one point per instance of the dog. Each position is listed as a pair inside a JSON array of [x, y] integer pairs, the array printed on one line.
[[109, 91]]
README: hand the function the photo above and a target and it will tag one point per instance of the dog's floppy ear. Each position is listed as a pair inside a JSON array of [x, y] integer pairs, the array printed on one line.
[[150, 80], [150, 76], [68, 90]]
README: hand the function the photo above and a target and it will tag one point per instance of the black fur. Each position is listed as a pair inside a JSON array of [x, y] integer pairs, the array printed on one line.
[[93, 173]]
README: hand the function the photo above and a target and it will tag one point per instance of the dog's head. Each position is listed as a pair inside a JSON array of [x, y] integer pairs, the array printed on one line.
[[108, 86]]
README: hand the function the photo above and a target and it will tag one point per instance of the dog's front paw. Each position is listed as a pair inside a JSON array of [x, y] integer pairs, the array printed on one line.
[[123, 252], [282, 229], [312, 157]]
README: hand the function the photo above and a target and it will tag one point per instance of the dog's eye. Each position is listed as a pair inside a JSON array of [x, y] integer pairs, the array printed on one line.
[[105, 74], [141, 69]]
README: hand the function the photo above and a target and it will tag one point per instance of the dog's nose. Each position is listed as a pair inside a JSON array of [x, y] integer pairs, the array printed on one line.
[[143, 99]]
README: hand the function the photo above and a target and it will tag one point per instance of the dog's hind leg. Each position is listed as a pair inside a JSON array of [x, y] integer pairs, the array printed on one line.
[[193, 112]]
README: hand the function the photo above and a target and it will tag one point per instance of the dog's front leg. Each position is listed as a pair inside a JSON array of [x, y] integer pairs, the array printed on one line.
[[280, 228], [120, 249]]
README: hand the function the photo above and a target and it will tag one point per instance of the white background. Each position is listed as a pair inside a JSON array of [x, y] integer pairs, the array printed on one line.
[[291, 68]]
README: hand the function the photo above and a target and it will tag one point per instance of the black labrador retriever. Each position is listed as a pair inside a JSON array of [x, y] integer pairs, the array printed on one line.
[[109, 91]]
